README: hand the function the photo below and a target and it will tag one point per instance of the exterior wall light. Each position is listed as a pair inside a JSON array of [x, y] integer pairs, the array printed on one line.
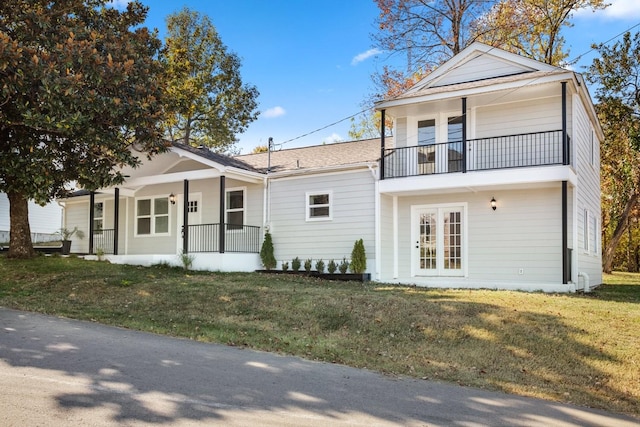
[[172, 199], [493, 203]]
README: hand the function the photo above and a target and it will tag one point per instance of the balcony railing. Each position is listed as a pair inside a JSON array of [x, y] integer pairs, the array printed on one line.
[[510, 151], [237, 238], [103, 240]]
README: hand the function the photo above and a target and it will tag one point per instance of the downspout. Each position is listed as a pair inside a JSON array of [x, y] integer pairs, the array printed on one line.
[[585, 278]]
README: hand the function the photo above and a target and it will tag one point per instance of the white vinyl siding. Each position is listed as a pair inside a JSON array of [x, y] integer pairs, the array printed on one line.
[[482, 66], [544, 114], [353, 217]]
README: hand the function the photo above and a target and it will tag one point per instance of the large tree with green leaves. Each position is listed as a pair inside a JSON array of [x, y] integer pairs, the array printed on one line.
[[616, 74], [79, 84], [209, 104], [532, 28]]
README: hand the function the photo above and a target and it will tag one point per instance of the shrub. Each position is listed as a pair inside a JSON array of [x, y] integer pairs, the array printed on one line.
[[266, 252], [320, 266], [295, 264], [358, 258], [344, 266], [186, 259], [285, 266], [332, 267], [307, 265]]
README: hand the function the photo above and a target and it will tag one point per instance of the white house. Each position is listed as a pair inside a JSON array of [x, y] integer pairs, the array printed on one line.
[[491, 180], [44, 221]]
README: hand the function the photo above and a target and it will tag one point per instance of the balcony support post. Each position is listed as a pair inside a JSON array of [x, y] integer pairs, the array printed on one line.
[[565, 153], [382, 142], [464, 135], [221, 233], [185, 218], [92, 215], [566, 274], [116, 219]]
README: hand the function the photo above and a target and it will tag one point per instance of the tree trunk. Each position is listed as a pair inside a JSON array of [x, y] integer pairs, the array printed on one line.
[[20, 245], [621, 226]]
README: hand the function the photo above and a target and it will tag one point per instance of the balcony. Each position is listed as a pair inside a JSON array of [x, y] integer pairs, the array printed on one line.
[[501, 152]]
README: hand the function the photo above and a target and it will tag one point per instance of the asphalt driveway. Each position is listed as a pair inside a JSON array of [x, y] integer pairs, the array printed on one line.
[[60, 372]]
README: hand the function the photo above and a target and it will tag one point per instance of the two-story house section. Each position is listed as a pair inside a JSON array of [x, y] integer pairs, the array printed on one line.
[[493, 178]]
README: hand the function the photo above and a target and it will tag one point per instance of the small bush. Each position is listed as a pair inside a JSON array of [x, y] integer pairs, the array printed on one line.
[[320, 266], [332, 267], [344, 266], [186, 259], [266, 252], [307, 265], [295, 264], [285, 266], [358, 258]]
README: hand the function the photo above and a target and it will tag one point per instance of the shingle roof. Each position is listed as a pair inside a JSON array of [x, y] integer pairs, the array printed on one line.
[[317, 156], [222, 159]]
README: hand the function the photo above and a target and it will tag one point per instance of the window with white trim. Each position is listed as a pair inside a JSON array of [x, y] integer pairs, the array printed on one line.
[[152, 216], [98, 218], [593, 226], [318, 206], [235, 212], [585, 226]]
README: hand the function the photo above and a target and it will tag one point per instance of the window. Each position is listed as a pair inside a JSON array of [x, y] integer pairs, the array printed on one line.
[[593, 234], [98, 218], [235, 209], [585, 226], [152, 216], [318, 206], [193, 206]]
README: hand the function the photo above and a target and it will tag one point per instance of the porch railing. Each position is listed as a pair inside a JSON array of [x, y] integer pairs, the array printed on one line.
[[509, 151], [103, 240], [237, 238]]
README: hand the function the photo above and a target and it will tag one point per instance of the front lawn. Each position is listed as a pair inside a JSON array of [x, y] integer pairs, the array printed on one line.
[[583, 349]]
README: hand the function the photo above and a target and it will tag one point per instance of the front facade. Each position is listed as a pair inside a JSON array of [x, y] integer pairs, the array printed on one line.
[[494, 177], [490, 181]]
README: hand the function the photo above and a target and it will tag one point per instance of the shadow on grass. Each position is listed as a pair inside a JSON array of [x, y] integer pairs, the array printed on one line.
[[136, 377]]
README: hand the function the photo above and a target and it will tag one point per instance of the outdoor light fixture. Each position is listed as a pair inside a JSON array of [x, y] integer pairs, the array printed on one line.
[[493, 203], [172, 199]]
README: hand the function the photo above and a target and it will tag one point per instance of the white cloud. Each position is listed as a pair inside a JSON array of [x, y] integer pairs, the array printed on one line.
[[619, 9], [118, 4], [274, 112], [334, 137], [365, 55]]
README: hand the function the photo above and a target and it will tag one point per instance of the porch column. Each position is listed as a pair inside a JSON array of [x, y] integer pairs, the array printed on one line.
[[382, 132], [565, 152], [222, 211], [464, 135], [185, 218], [565, 234], [116, 216], [92, 202]]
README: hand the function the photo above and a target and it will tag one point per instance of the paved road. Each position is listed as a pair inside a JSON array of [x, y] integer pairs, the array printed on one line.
[[60, 372]]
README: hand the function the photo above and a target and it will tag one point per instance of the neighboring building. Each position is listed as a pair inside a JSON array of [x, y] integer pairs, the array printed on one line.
[[492, 181], [44, 221]]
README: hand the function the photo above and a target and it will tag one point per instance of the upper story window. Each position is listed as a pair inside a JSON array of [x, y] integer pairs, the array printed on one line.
[[318, 206], [427, 132], [235, 208], [152, 216]]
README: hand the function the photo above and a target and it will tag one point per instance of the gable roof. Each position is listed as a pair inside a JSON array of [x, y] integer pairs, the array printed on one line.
[[317, 156], [221, 159], [478, 66]]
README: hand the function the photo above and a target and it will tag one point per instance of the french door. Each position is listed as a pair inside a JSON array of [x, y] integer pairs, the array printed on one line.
[[438, 241]]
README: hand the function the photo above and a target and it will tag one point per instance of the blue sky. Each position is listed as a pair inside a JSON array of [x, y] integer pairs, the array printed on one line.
[[312, 60]]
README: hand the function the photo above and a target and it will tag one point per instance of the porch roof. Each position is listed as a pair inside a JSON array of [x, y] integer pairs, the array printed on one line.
[[317, 156], [221, 159]]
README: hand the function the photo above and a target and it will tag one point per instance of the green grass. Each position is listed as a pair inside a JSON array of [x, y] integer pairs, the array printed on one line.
[[577, 348]]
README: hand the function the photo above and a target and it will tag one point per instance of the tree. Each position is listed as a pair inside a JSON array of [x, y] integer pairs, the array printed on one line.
[[266, 252], [617, 76], [260, 149], [209, 103], [80, 84], [532, 28]]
